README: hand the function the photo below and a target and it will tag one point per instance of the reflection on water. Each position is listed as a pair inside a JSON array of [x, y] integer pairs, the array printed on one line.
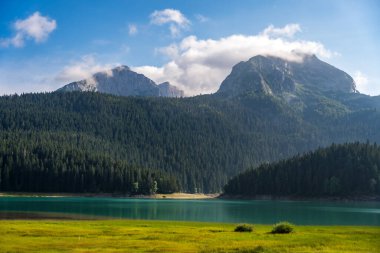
[[254, 211]]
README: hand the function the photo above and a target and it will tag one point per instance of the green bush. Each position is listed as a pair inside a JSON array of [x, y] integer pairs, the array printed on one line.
[[283, 228], [244, 228]]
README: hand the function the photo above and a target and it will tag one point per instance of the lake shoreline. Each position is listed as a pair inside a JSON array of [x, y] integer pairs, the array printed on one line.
[[191, 196], [18, 215], [177, 195], [297, 198]]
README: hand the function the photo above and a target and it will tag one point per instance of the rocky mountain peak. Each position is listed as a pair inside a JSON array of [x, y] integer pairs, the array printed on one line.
[[273, 75], [121, 68], [168, 90], [123, 81]]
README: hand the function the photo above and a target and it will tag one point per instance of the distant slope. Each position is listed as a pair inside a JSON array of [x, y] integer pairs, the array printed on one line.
[[168, 90], [122, 81], [345, 170]]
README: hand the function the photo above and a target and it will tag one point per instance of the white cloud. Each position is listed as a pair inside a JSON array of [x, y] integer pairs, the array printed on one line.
[[44, 74], [82, 69], [132, 29], [367, 84], [361, 81], [168, 16], [34, 27], [287, 31], [170, 51], [175, 18], [360, 78], [199, 66]]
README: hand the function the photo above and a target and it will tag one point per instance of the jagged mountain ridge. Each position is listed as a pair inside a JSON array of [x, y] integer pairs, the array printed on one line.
[[276, 76], [122, 81], [260, 74], [168, 90]]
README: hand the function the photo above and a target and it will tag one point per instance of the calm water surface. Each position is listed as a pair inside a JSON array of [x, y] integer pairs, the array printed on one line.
[[215, 210]]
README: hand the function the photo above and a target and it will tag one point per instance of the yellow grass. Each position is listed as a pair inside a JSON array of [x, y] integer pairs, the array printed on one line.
[[171, 236]]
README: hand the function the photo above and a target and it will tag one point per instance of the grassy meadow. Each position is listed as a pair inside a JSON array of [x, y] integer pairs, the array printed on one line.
[[171, 236]]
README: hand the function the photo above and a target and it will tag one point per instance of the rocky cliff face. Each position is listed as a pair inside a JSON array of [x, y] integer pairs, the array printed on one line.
[[168, 90], [123, 82], [271, 75]]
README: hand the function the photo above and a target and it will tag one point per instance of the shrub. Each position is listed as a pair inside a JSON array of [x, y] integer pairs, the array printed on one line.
[[244, 228], [282, 228]]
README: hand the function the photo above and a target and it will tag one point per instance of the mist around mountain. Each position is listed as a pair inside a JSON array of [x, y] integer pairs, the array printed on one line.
[[122, 81], [266, 110]]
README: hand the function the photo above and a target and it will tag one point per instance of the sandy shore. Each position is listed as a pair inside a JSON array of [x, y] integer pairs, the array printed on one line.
[[186, 196], [178, 195]]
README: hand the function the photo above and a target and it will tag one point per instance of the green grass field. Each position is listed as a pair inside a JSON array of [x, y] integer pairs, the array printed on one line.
[[170, 236]]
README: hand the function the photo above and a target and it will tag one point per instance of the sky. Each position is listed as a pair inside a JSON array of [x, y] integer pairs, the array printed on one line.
[[193, 44]]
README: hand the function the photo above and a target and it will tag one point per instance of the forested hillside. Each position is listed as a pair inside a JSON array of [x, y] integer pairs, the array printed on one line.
[[267, 109], [59, 162], [339, 170], [201, 141]]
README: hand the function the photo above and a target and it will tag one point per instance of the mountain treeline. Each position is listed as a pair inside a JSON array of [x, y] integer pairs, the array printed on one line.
[[46, 163], [351, 169], [201, 141]]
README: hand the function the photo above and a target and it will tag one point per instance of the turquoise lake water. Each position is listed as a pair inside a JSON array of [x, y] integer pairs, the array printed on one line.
[[214, 210]]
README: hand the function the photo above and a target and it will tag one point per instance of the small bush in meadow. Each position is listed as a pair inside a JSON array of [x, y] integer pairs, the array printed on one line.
[[283, 228], [244, 228]]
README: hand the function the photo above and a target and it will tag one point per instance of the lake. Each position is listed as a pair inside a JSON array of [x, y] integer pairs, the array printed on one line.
[[210, 210]]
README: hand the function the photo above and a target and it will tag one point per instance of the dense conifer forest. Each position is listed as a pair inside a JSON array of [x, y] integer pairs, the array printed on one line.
[[344, 170], [53, 163], [194, 144]]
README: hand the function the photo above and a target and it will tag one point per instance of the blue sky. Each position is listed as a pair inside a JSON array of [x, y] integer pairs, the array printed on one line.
[[193, 44]]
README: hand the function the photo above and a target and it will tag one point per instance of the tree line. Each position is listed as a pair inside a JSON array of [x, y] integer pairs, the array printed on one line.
[[351, 169], [31, 163], [201, 141]]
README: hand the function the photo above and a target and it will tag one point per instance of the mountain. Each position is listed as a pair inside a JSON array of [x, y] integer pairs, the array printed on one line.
[[336, 171], [276, 76], [201, 141], [309, 87], [122, 81], [168, 90]]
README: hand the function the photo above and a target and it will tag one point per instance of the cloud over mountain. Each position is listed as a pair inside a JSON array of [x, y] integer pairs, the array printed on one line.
[[82, 69], [200, 65], [287, 31], [363, 83]]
